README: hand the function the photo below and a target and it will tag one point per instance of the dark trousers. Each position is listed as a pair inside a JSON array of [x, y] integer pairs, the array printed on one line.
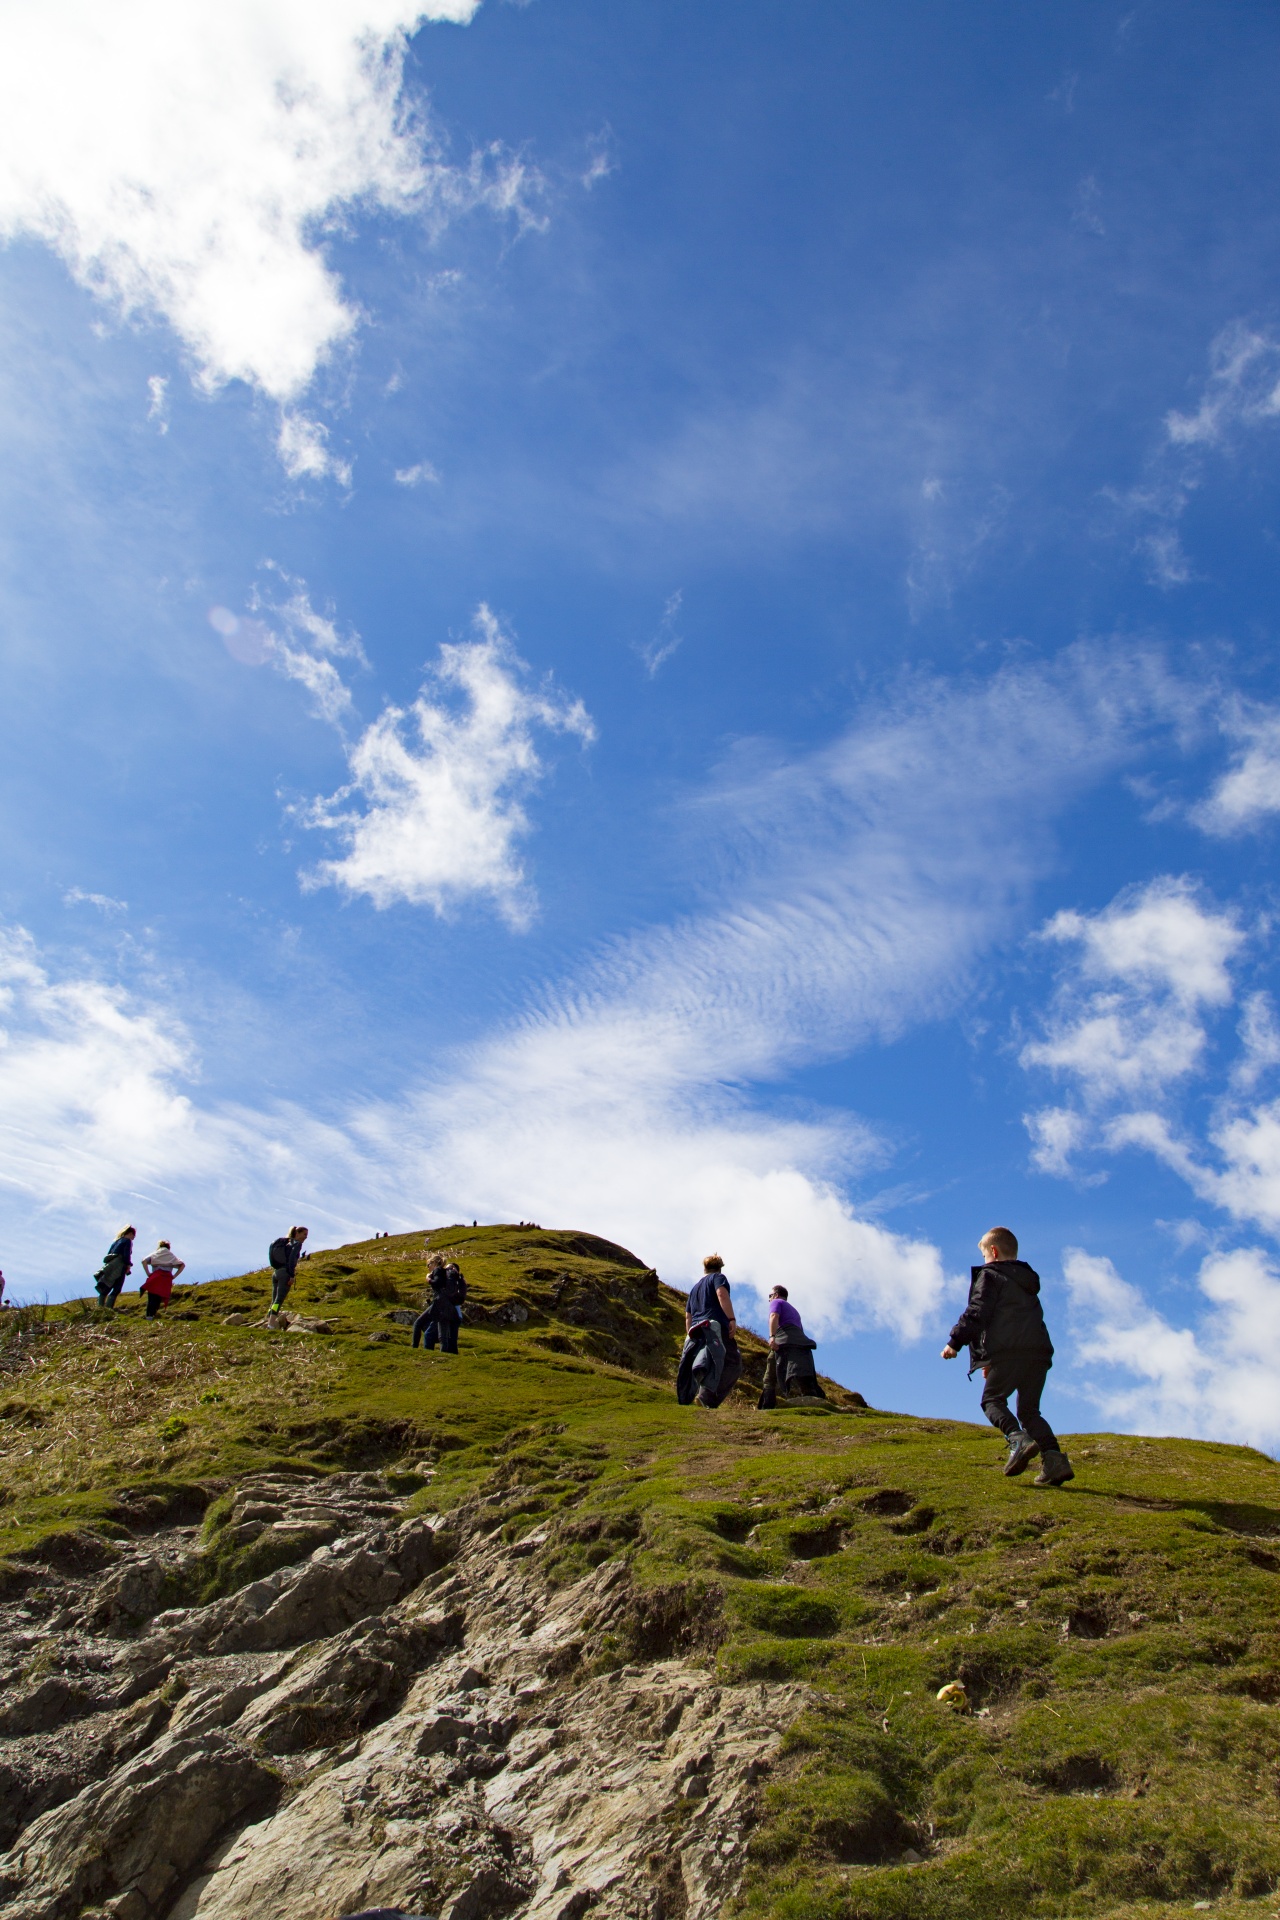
[[154, 1304], [687, 1387], [1022, 1374], [110, 1294], [436, 1320], [281, 1281]]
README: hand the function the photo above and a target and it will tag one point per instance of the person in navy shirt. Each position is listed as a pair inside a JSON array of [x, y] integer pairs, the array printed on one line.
[[710, 1365]]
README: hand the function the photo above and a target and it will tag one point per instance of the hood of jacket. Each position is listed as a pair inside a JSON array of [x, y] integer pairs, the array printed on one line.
[[1017, 1270]]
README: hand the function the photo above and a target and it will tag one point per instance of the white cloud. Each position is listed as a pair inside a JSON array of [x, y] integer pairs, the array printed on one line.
[[1260, 1038], [158, 407], [1242, 393], [1219, 1379], [297, 641], [100, 1125], [1126, 1048], [423, 474], [77, 897], [656, 652], [1243, 389], [1249, 792], [303, 446], [861, 886], [1154, 959], [442, 815], [188, 162], [1055, 1132], [1156, 937]]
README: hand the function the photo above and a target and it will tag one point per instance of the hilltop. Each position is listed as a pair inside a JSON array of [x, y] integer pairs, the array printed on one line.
[[299, 1621]]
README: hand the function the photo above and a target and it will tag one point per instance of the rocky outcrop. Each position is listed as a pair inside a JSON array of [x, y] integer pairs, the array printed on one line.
[[405, 1716]]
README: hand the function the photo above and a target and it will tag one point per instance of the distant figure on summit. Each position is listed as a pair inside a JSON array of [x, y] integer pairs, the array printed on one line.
[[1004, 1330], [284, 1255]]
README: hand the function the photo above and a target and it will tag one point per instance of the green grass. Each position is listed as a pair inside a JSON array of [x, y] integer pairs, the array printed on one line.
[[1119, 1639]]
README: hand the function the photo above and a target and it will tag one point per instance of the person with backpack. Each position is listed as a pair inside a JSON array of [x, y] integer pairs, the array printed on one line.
[[1004, 1329], [710, 1365], [283, 1255], [442, 1315], [116, 1268], [790, 1363], [161, 1269]]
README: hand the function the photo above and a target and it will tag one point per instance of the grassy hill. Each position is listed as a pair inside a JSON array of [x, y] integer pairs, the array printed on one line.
[[1118, 1640]]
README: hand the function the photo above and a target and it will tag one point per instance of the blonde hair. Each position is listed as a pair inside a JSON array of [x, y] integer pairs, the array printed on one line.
[[1001, 1242], [712, 1264], [436, 1260]]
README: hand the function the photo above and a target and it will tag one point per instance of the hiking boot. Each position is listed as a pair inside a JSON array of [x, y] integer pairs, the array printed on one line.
[[1055, 1469], [1022, 1450]]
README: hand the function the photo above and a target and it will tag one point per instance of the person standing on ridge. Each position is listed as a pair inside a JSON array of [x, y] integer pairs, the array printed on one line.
[[284, 1255], [710, 1365], [161, 1268], [1003, 1327], [116, 1268], [790, 1363], [443, 1312]]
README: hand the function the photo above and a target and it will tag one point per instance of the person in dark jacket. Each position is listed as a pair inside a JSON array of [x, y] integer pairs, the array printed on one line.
[[116, 1268], [1004, 1330], [710, 1364], [443, 1313], [790, 1363], [284, 1255]]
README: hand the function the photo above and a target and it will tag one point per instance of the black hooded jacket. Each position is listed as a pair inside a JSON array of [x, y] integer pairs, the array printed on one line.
[[1004, 1313]]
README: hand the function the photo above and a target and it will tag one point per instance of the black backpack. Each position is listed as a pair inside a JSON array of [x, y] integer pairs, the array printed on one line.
[[278, 1251]]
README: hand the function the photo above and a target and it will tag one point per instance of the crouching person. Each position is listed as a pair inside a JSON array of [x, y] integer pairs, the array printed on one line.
[[1004, 1329], [710, 1365]]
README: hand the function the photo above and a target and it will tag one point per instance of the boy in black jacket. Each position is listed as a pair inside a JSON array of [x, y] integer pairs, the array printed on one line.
[[1004, 1330]]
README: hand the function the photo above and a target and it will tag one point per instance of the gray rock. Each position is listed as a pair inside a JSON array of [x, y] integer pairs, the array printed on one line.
[[46, 1705], [135, 1837], [349, 1684]]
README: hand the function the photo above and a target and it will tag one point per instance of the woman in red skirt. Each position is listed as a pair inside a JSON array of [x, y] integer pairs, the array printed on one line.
[[161, 1268]]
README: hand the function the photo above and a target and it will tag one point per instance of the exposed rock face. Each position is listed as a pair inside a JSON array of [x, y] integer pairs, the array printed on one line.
[[398, 1719]]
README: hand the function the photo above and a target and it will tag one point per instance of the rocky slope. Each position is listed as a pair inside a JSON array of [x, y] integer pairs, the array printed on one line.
[[301, 1623]]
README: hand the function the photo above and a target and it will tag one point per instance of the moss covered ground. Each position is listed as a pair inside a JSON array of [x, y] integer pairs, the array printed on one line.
[[1118, 1640]]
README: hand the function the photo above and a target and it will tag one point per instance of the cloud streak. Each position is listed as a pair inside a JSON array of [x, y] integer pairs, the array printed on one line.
[[857, 894]]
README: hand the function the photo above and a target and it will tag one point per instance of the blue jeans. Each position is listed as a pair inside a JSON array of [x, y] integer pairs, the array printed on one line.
[[437, 1320], [701, 1362]]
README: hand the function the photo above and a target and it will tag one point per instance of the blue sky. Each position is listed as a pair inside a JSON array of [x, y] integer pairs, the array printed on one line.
[[657, 619]]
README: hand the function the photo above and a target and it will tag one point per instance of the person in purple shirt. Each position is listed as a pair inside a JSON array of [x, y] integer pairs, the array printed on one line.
[[790, 1363]]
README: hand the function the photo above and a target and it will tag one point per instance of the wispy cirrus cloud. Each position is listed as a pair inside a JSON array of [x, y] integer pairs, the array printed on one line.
[[1240, 395], [859, 889], [188, 162], [288, 634]]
